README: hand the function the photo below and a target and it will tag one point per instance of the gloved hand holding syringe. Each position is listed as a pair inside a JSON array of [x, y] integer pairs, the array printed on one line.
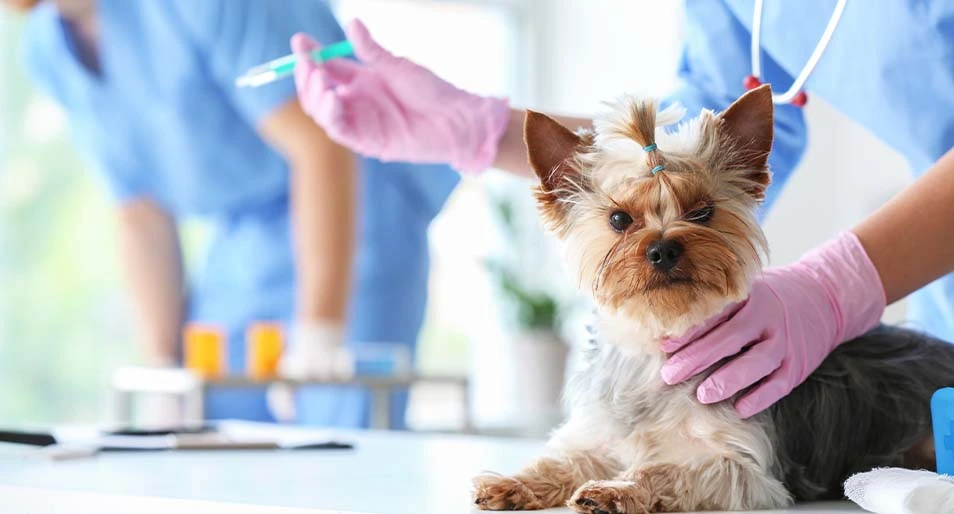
[[285, 66]]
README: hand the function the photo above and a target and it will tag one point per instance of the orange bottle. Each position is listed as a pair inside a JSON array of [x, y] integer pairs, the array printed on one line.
[[263, 349], [204, 350]]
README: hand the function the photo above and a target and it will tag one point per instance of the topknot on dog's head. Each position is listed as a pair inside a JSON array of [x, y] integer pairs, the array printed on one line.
[[632, 126], [634, 119]]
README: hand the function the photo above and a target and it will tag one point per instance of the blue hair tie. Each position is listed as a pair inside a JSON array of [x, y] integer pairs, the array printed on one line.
[[649, 148], [657, 169]]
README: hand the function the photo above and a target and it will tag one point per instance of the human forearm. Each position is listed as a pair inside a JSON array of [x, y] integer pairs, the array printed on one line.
[[910, 239], [323, 226], [323, 206], [512, 149], [152, 267]]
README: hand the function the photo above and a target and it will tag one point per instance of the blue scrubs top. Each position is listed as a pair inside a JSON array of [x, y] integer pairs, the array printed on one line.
[[889, 67], [164, 120]]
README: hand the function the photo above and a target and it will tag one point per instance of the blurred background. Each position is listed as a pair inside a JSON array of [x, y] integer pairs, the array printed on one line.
[[500, 300]]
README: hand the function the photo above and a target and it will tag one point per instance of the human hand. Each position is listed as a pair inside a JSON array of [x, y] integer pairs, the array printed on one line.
[[161, 360], [794, 317], [393, 109], [312, 351], [316, 351]]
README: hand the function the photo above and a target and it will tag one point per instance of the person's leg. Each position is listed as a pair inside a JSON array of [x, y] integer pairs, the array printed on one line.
[[237, 403], [240, 285], [389, 298], [392, 317], [340, 407], [387, 310]]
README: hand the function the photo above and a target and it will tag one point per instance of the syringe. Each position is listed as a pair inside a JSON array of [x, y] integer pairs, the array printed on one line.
[[285, 66]]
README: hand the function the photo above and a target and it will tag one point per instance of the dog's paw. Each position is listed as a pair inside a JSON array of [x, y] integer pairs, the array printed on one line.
[[497, 492], [610, 497]]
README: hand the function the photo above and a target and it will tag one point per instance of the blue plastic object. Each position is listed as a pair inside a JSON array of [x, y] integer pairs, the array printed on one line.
[[942, 411], [381, 359]]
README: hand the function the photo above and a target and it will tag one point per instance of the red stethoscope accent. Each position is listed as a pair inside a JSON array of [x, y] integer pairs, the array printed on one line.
[[799, 100]]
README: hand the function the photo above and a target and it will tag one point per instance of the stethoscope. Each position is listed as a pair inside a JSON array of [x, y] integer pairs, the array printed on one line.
[[794, 95]]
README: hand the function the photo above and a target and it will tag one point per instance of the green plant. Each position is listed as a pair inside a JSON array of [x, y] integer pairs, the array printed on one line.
[[534, 307], [535, 310]]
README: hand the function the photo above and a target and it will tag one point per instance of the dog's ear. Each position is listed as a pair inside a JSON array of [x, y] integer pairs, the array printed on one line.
[[550, 146], [746, 131]]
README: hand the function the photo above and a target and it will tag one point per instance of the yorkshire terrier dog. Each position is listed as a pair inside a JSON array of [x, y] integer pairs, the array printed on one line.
[[663, 240]]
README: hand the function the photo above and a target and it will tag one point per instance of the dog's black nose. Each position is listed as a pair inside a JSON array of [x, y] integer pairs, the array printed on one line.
[[664, 255]]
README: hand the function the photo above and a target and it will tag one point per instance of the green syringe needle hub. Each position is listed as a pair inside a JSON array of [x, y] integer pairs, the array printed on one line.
[[285, 66]]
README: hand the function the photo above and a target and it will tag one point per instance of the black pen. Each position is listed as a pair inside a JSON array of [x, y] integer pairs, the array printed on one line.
[[28, 438]]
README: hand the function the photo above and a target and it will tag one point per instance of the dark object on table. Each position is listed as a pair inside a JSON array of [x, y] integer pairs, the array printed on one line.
[[30, 438]]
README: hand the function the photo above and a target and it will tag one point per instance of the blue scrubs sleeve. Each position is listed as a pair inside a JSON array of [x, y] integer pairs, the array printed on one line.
[[33, 59], [715, 61], [235, 35], [46, 61]]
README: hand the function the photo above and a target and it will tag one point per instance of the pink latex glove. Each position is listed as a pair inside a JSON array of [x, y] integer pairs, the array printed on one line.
[[794, 317], [392, 109]]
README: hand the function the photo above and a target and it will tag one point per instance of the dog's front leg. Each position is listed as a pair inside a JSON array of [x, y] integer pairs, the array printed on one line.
[[716, 484], [635, 491], [546, 483]]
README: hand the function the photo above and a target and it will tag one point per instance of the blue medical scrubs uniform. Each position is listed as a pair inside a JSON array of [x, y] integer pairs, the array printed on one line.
[[165, 121], [889, 67]]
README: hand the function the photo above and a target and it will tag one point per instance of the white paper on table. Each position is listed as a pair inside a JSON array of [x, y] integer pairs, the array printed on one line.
[[240, 432]]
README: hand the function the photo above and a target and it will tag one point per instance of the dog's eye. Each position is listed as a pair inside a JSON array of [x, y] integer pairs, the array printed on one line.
[[620, 221], [701, 215]]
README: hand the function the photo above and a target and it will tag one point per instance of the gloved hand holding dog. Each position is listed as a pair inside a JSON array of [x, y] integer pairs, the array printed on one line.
[[794, 317]]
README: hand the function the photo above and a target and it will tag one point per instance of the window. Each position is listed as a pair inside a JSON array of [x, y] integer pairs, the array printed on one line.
[[63, 324]]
